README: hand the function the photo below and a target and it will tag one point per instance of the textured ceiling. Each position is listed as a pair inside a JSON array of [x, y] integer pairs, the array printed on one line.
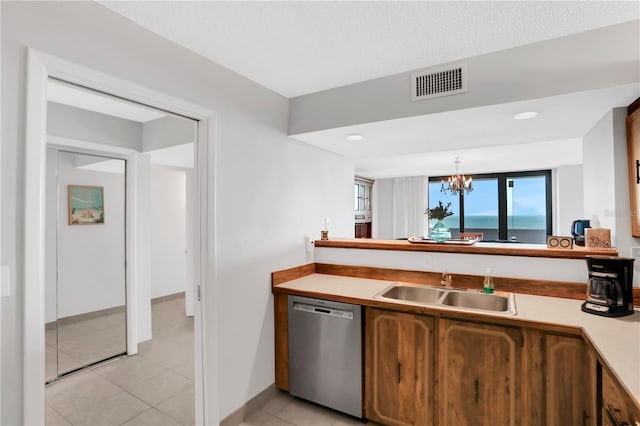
[[296, 48]]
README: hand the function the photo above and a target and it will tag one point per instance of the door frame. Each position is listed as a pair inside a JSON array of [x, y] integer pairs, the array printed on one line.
[[41, 66]]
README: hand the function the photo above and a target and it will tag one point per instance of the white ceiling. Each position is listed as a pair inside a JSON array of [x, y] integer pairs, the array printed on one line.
[[428, 144], [301, 47]]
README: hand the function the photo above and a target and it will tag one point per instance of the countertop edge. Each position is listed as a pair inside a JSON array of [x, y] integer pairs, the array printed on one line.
[[500, 249]]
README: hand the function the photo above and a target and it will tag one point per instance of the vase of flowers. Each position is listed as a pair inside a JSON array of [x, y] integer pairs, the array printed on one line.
[[439, 232]]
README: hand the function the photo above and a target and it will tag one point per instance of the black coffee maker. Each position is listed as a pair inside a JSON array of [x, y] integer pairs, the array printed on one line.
[[609, 289]]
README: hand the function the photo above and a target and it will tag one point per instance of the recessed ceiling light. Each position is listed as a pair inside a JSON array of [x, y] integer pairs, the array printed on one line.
[[525, 115], [354, 137]]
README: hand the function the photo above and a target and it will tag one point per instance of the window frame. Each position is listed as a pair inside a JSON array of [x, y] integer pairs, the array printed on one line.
[[502, 196]]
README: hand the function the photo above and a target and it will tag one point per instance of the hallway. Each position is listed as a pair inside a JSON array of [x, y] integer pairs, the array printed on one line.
[[154, 387]]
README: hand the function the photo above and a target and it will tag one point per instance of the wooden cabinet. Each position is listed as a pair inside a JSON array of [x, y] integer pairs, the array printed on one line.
[[480, 369], [633, 153], [560, 380], [363, 189], [618, 409], [363, 230], [399, 368], [570, 382]]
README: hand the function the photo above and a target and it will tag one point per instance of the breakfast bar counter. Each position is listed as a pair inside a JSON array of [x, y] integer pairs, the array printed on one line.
[[480, 247]]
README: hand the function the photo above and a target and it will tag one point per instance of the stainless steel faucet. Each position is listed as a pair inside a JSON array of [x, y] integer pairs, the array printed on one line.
[[446, 280]]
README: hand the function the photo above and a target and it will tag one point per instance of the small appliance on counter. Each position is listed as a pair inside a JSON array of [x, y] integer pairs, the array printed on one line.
[[578, 230], [609, 289]]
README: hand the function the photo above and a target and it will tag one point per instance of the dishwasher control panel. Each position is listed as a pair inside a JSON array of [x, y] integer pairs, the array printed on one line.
[[322, 310]]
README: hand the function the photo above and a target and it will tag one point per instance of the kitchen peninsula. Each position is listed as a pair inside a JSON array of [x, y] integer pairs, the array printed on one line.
[[548, 364]]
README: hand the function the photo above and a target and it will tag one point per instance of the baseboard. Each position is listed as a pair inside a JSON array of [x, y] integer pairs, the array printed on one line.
[[90, 315], [168, 297], [253, 405]]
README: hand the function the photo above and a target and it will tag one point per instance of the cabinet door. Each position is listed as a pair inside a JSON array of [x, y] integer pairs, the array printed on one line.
[[479, 374], [570, 382], [399, 368], [633, 152], [618, 408]]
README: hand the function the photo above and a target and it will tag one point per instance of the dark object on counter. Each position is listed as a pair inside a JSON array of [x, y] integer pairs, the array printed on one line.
[[578, 230], [609, 289]]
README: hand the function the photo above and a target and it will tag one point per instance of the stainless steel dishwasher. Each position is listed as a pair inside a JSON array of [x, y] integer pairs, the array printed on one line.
[[325, 353]]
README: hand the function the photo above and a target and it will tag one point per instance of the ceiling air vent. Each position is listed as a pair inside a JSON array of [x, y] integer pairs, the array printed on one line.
[[436, 82]]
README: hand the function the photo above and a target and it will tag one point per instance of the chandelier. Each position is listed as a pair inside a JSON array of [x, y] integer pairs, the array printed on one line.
[[457, 183]]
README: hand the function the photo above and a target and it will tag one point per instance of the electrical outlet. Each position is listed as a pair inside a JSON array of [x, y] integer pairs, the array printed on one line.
[[309, 243], [635, 253], [327, 223]]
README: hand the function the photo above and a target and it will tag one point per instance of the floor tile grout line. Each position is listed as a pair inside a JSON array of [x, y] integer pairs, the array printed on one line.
[[175, 325], [60, 414], [164, 400]]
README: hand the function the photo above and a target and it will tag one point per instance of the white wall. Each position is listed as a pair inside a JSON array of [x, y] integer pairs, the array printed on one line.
[[270, 189], [606, 181], [382, 209], [573, 270], [569, 198], [51, 226], [598, 173], [142, 272], [168, 231], [90, 257]]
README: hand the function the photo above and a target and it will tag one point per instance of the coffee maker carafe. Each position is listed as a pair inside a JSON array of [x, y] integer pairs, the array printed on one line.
[[609, 289]]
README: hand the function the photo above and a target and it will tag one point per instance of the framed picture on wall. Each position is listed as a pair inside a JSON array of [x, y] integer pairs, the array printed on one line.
[[85, 205]]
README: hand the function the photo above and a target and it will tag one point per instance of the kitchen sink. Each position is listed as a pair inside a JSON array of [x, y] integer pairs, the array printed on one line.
[[450, 298], [472, 300], [413, 294]]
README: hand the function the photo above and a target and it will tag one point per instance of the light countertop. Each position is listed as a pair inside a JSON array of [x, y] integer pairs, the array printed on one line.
[[616, 339]]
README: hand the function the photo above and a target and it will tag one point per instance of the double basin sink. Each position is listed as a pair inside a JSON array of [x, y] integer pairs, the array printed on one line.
[[466, 300]]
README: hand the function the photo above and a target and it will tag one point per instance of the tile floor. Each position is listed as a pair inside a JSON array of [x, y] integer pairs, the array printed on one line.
[[82, 341], [154, 387], [283, 409]]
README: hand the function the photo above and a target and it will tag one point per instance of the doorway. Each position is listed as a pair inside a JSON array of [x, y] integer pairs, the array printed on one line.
[[140, 220], [85, 280], [41, 66]]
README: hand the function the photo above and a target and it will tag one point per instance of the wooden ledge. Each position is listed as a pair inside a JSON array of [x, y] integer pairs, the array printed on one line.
[[501, 249]]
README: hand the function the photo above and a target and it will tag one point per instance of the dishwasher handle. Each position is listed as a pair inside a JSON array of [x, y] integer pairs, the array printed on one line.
[[323, 310]]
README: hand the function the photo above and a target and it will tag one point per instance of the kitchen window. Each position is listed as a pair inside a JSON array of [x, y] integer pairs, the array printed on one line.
[[513, 207]]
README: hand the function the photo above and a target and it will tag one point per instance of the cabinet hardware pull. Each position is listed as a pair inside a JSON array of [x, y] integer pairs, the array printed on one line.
[[585, 418], [637, 171], [612, 413], [477, 386], [399, 372]]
